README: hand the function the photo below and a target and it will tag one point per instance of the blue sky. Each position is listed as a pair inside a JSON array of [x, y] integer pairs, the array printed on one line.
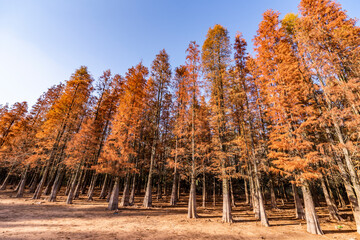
[[42, 42]]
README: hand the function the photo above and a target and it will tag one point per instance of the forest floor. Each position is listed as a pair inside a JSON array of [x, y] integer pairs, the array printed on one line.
[[38, 219]]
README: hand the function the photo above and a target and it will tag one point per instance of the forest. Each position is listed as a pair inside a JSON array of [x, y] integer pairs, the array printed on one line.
[[273, 125]]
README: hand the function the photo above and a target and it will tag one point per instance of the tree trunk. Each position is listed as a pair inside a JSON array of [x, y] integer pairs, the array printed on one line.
[[41, 184], [254, 199], [226, 217], [159, 189], [272, 194], [51, 181], [178, 188], [284, 192], [57, 184], [34, 183], [20, 192], [342, 203], [125, 197], [148, 194], [132, 194], [79, 183], [114, 199], [73, 186], [263, 216], [214, 192], [104, 187], [6, 181], [192, 199], [174, 190], [204, 190], [333, 211], [18, 185], [232, 194], [299, 210], [111, 186], [92, 187], [247, 199], [312, 221]]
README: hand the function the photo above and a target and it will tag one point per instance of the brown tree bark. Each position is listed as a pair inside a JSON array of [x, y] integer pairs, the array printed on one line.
[[104, 187], [247, 198], [333, 211], [92, 187], [148, 192], [299, 210], [21, 189], [73, 186], [57, 184], [114, 199], [126, 192], [132, 194], [312, 221], [204, 190], [232, 194]]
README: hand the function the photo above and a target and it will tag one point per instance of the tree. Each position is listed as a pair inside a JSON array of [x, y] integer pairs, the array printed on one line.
[[64, 119], [215, 63], [158, 88]]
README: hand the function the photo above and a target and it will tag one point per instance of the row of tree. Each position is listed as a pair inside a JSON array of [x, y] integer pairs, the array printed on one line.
[[286, 117]]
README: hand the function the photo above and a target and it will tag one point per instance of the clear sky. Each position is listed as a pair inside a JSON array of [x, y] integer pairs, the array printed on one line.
[[42, 42]]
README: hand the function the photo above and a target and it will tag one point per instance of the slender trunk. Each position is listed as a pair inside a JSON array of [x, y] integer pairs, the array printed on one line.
[[331, 194], [254, 199], [73, 186], [174, 190], [132, 194], [51, 181], [114, 199], [18, 185], [85, 182], [204, 190], [284, 192], [125, 197], [159, 189], [299, 210], [57, 184], [333, 211], [41, 184], [263, 216], [111, 186], [104, 187], [68, 184], [148, 194], [178, 188], [34, 183], [226, 217], [246, 192], [192, 199], [272, 194], [6, 181], [214, 192], [20, 192], [79, 183], [232, 194], [312, 221], [342, 203], [92, 186]]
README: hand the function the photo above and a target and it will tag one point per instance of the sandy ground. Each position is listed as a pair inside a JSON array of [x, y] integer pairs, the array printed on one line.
[[38, 219]]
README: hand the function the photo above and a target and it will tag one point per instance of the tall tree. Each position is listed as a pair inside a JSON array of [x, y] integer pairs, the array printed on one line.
[[158, 88], [215, 63]]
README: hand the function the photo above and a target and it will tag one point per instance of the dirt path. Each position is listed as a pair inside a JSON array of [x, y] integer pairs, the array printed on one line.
[[38, 219]]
